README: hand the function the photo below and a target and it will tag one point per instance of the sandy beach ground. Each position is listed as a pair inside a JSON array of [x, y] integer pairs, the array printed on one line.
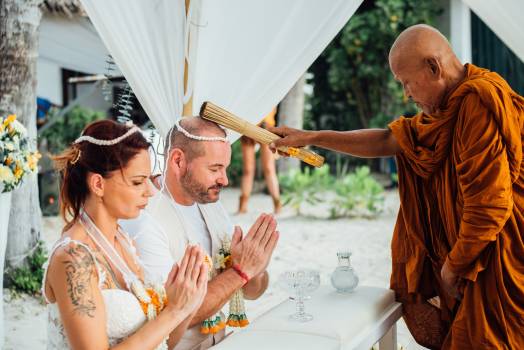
[[309, 242]]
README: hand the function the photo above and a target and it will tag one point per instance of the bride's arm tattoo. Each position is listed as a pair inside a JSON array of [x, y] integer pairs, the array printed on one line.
[[80, 269]]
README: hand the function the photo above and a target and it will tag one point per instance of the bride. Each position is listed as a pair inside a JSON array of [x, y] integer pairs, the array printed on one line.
[[93, 284]]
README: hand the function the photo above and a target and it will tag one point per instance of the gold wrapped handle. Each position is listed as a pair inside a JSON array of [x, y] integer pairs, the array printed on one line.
[[222, 117]]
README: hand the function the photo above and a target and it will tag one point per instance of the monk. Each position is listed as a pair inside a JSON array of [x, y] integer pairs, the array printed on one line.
[[457, 247]]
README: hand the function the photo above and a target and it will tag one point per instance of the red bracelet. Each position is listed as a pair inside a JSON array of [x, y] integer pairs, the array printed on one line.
[[241, 273]]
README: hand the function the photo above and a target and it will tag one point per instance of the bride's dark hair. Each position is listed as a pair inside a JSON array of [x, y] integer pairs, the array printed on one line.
[[80, 158]]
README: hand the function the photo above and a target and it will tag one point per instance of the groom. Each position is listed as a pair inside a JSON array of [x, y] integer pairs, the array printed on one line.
[[187, 211]]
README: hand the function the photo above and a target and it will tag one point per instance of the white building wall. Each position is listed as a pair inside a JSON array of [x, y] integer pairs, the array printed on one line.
[[49, 81]]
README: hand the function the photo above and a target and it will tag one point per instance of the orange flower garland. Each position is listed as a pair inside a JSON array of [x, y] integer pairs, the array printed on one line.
[[237, 313], [159, 302]]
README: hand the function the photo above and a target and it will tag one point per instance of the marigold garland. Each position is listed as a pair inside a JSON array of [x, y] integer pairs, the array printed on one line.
[[237, 311]]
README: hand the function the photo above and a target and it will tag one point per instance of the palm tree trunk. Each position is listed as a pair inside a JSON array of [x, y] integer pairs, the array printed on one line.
[[291, 113], [19, 21]]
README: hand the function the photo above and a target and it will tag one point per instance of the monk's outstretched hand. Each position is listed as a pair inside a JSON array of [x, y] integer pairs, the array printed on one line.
[[290, 137]]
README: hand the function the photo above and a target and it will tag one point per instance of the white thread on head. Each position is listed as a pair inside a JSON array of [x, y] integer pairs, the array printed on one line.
[[197, 137], [112, 142]]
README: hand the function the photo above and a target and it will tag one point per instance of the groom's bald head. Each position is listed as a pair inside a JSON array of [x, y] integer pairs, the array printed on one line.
[[197, 168], [196, 126]]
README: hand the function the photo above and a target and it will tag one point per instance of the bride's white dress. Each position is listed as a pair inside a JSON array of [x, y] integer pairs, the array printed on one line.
[[123, 311]]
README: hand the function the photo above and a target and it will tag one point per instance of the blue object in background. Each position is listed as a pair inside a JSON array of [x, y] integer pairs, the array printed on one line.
[[42, 107]]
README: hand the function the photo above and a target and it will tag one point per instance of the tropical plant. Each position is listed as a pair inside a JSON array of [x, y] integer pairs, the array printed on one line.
[[304, 186], [234, 171], [352, 84], [28, 278], [67, 129], [357, 194]]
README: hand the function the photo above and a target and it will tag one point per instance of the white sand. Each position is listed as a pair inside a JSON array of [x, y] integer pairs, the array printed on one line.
[[305, 242]]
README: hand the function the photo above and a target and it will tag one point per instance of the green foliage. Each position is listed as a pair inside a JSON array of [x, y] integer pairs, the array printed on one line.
[[234, 171], [299, 186], [352, 84], [59, 136], [357, 194], [67, 129], [394, 178], [28, 278]]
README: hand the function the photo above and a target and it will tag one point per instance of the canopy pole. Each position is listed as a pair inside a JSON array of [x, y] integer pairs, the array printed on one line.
[[188, 106]]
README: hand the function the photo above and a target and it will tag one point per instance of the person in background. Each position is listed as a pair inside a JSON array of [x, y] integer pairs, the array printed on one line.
[[268, 167]]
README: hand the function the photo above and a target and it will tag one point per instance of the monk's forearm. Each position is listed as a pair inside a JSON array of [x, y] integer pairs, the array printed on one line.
[[364, 143], [219, 291], [256, 286]]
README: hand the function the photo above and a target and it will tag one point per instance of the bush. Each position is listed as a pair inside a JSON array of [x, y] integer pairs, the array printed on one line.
[[352, 86], [28, 278], [67, 129], [298, 186], [234, 171], [57, 137], [357, 194]]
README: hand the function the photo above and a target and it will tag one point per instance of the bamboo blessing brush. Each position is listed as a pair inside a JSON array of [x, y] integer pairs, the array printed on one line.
[[222, 117]]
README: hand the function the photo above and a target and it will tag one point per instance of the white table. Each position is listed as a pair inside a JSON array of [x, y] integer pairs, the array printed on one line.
[[341, 321]]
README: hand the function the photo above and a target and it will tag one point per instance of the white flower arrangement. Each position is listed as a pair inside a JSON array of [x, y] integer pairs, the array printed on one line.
[[17, 160]]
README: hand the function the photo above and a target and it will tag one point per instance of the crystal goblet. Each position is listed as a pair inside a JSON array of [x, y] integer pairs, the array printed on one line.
[[300, 283]]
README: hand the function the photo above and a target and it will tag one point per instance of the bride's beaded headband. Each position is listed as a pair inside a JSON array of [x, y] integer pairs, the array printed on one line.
[[112, 142], [78, 153]]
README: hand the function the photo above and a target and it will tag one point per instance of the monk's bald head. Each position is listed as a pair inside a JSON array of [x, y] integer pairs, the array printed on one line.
[[422, 60], [196, 126], [417, 43]]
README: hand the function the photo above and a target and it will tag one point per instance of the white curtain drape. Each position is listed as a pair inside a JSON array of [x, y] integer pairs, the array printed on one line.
[[243, 55], [504, 18], [251, 53], [146, 40]]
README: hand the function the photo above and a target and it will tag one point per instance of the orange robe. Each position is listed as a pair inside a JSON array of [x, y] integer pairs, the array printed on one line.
[[461, 183]]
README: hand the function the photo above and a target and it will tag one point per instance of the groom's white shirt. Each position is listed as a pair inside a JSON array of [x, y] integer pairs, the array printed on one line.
[[161, 234]]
